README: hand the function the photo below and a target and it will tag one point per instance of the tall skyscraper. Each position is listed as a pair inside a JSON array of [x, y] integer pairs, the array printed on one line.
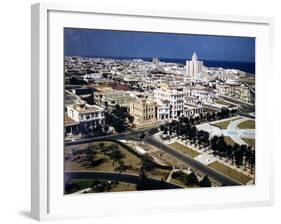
[[193, 67]]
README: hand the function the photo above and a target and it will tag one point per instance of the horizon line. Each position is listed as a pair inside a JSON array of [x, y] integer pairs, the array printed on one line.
[[150, 57]]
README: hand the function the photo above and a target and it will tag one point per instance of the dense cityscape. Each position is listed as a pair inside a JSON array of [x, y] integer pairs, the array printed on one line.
[[132, 124]]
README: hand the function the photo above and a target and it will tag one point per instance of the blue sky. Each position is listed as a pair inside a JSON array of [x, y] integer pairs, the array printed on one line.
[[109, 43]]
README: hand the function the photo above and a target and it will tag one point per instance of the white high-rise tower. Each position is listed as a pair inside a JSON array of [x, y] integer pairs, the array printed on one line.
[[193, 67]]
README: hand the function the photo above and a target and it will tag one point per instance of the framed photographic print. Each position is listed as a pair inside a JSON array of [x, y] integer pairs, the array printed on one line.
[[135, 118]]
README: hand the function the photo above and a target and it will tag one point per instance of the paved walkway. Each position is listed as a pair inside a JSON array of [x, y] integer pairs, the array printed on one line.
[[205, 157], [237, 134], [232, 130]]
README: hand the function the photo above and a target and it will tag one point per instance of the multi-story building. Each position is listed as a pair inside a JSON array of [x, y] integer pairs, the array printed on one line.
[[163, 111], [175, 96], [110, 99], [192, 110], [144, 112], [81, 116], [193, 67], [235, 90], [205, 96]]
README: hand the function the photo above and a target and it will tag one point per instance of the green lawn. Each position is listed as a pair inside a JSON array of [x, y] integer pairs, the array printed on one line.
[[229, 141], [250, 141], [224, 124], [158, 174], [235, 175], [129, 159], [184, 149], [249, 124]]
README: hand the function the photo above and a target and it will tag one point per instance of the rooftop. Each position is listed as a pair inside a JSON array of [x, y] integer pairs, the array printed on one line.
[[68, 121], [88, 109]]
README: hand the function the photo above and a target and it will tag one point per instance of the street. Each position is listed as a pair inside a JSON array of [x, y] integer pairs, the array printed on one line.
[[190, 162]]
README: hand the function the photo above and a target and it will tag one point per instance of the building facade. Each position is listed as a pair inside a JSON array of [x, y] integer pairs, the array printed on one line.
[[110, 99], [193, 67], [235, 90], [175, 96], [81, 116], [192, 110], [163, 111], [144, 112]]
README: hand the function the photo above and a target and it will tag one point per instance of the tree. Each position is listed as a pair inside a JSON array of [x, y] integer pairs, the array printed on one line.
[[225, 112], [252, 160], [147, 165], [192, 133], [116, 156], [205, 182], [203, 137], [121, 166], [116, 122], [190, 179], [97, 130], [90, 153], [238, 155], [131, 119]]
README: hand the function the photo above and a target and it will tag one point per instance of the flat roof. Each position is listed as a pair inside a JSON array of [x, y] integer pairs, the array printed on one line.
[[68, 121], [89, 109]]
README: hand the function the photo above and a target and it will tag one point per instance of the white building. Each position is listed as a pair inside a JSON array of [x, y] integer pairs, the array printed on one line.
[[193, 67], [144, 112], [175, 96], [81, 116], [92, 76], [192, 110], [235, 90], [163, 111], [110, 99]]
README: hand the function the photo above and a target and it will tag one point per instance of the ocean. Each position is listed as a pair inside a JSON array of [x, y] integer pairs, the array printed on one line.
[[248, 67]]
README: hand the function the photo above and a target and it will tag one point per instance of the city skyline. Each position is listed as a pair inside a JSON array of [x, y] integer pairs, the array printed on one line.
[[156, 124], [109, 43]]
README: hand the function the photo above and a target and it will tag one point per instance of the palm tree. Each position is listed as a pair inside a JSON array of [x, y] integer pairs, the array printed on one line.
[[116, 155]]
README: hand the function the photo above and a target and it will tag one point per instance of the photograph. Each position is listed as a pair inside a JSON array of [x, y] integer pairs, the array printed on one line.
[[157, 110]]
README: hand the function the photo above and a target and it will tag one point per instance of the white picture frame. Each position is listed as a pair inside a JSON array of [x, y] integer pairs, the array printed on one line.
[[47, 201]]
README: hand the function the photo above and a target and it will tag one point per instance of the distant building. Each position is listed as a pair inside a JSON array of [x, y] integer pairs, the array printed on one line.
[[155, 60], [144, 112], [193, 67], [235, 90]]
